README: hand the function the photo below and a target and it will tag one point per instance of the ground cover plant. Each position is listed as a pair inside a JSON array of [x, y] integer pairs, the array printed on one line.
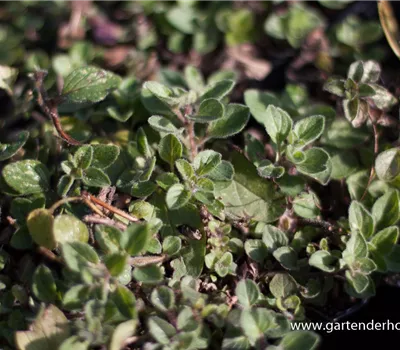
[[194, 175]]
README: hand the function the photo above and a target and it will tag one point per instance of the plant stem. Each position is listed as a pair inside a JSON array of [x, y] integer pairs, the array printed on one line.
[[104, 221], [63, 201], [49, 107], [107, 206], [376, 150]]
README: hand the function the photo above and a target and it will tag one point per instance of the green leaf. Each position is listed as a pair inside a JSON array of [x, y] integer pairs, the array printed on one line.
[[78, 255], [360, 220], [170, 149], [256, 249], [258, 102], [7, 150], [68, 228], [356, 247], [249, 195], [386, 210], [387, 165], [335, 86], [217, 90], [364, 265], [83, 157], [247, 292], [160, 330], [182, 18], [317, 165], [306, 205], [274, 238], [95, 177], [47, 332], [291, 185], [125, 301], [163, 298], [108, 238], [278, 124], [121, 333], [177, 196], [234, 120], [185, 169], [104, 155], [323, 260], [40, 225], [209, 110], [76, 296], [136, 238], [172, 245], [43, 285], [194, 78], [287, 257], [222, 172], [206, 161], [358, 281], [255, 323], [309, 129], [383, 241], [356, 71], [64, 185], [382, 98], [162, 124], [161, 91], [8, 76], [297, 340], [268, 170], [143, 144], [115, 263], [223, 264], [282, 285], [27, 176], [89, 84], [151, 274]]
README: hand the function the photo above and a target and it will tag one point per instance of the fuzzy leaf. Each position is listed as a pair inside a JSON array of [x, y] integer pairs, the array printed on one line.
[[277, 123], [361, 220], [7, 150], [387, 165], [89, 84], [249, 195], [386, 209], [40, 225], [47, 332], [234, 120], [383, 241], [68, 228], [95, 177], [282, 285], [177, 196], [209, 110], [218, 90], [258, 102], [104, 155], [170, 149], [43, 285], [309, 129], [27, 176], [83, 157], [206, 161], [247, 292], [162, 124], [136, 238]]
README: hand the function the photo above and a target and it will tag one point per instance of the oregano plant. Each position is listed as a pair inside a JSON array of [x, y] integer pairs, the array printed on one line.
[[154, 195]]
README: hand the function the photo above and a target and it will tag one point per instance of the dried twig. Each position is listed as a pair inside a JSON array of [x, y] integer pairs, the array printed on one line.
[[91, 219], [49, 107]]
